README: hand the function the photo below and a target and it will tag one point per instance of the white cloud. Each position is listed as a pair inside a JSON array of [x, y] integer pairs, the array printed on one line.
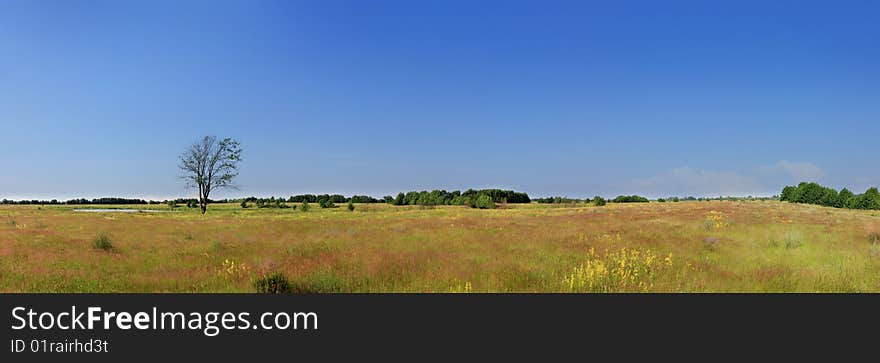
[[765, 180], [796, 171], [685, 181]]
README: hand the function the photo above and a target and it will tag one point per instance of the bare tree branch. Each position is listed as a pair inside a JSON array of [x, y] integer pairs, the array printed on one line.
[[210, 165]]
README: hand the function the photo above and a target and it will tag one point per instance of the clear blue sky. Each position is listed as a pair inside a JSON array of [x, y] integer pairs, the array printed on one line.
[[98, 98]]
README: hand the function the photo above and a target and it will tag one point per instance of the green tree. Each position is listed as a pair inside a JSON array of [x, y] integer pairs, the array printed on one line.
[[484, 201], [789, 194], [843, 198], [829, 197]]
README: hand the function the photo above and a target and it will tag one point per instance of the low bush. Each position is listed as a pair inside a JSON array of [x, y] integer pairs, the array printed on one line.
[[271, 203], [275, 283], [102, 242]]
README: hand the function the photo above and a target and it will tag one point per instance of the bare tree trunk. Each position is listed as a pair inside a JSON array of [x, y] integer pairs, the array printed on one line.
[[206, 190], [203, 200], [203, 203]]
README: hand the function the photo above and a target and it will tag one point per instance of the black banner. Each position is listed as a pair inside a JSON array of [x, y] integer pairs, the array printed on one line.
[[42, 327]]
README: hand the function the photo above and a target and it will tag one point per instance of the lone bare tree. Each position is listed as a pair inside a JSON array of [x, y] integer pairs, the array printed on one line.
[[210, 165]]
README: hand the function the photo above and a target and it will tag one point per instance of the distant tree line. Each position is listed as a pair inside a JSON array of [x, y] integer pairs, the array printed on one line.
[[640, 199], [334, 198], [629, 199], [364, 199], [311, 198], [597, 200], [435, 197], [706, 199], [483, 198], [77, 201], [108, 201], [813, 193], [324, 200], [560, 200], [619, 199]]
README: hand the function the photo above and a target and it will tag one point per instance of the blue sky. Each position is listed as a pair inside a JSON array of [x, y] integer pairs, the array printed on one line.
[[97, 98]]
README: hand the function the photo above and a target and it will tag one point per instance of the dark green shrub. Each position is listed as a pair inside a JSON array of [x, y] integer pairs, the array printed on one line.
[[244, 204], [275, 283], [305, 206], [630, 199], [350, 207], [599, 201], [102, 242], [483, 201], [268, 203], [327, 203]]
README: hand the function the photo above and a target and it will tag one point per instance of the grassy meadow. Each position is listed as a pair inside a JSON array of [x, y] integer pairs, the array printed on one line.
[[717, 246]]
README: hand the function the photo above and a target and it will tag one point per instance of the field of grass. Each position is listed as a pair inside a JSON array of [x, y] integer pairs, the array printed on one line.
[[659, 247]]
